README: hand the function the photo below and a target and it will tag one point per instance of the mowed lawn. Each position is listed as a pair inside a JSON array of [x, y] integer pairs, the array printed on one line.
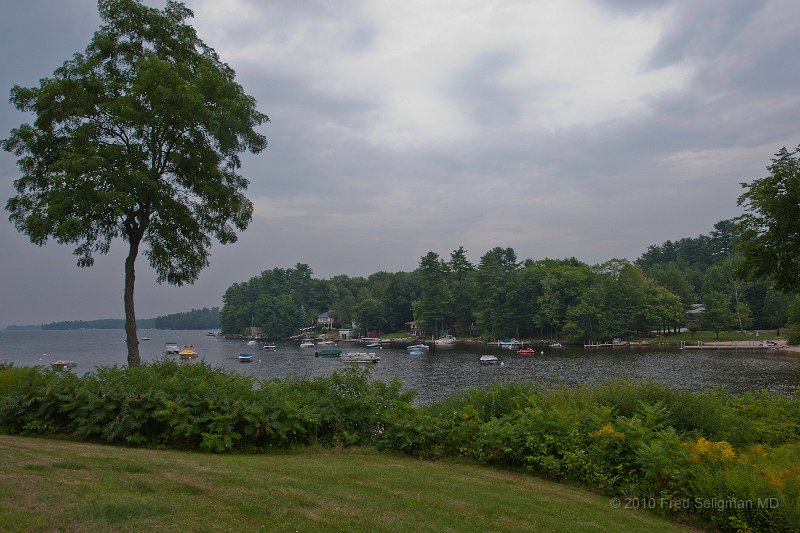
[[50, 485]]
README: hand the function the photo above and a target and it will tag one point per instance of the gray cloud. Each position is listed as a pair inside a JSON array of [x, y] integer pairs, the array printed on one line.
[[588, 129]]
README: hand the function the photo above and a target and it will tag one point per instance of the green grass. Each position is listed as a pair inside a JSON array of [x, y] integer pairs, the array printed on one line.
[[55, 485]]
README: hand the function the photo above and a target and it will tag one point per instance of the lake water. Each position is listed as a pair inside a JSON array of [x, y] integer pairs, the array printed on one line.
[[434, 375]]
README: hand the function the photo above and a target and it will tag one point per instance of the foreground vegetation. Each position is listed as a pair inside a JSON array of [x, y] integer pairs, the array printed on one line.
[[49, 485], [728, 459]]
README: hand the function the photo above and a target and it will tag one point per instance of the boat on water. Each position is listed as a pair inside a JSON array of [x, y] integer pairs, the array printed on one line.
[[509, 343], [374, 345], [326, 342], [489, 360], [245, 357], [63, 364], [251, 342], [328, 352], [270, 346], [416, 352], [171, 348], [556, 345], [187, 352], [418, 347], [526, 351], [445, 340], [307, 343], [360, 357]]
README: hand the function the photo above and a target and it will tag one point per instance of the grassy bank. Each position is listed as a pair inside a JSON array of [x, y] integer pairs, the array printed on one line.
[[55, 485]]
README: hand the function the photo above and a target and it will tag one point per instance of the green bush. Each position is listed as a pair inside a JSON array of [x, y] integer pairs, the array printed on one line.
[[624, 437]]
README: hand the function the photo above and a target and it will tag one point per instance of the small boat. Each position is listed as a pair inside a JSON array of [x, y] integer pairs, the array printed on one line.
[[270, 347], [416, 352], [489, 360], [187, 352], [328, 352], [63, 364], [446, 340], [360, 357], [556, 345], [326, 342], [245, 357], [307, 343], [145, 338], [509, 343], [374, 345], [526, 351], [419, 347], [171, 348], [211, 334], [251, 343]]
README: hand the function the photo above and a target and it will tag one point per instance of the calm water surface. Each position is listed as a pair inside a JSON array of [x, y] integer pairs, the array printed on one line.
[[433, 376]]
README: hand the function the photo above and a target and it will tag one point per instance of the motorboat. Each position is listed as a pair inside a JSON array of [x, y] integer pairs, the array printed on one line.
[[360, 357], [245, 357], [556, 345], [63, 364], [187, 352], [526, 351], [489, 360], [374, 345], [270, 347], [416, 352], [326, 342], [418, 347], [171, 348], [445, 340], [251, 342], [509, 343], [307, 343], [328, 352]]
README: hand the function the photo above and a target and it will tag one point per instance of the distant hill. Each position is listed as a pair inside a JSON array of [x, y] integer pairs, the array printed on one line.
[[195, 319]]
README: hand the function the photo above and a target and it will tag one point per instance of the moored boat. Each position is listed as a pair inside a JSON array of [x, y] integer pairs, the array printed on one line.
[[171, 348], [360, 357], [489, 360], [270, 347], [526, 351], [63, 364], [245, 357], [445, 340], [187, 352], [418, 347]]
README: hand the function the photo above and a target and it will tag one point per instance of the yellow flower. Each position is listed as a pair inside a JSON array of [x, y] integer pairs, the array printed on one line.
[[609, 430], [705, 450]]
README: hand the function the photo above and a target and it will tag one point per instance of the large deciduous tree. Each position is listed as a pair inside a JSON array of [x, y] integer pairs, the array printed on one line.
[[770, 236], [137, 138]]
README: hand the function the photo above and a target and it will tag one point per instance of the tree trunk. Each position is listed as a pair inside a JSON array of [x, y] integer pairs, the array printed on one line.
[[130, 314]]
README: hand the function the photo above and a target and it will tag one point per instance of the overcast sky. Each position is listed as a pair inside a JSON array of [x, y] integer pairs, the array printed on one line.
[[559, 128]]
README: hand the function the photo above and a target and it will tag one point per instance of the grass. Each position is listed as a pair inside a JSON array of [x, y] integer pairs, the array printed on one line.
[[66, 486]]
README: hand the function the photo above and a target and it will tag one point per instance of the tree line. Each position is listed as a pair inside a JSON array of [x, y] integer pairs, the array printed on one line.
[[692, 282], [204, 318]]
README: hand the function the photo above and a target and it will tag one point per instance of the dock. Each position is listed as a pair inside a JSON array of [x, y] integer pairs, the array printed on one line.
[[750, 345]]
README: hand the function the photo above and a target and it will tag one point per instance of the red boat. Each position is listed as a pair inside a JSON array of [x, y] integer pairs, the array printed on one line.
[[526, 351]]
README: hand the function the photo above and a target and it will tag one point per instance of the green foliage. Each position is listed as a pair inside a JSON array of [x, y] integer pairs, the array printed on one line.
[[638, 439], [204, 318], [771, 224]]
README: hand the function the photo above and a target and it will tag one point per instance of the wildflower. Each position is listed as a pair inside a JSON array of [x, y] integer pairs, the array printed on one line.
[[609, 430]]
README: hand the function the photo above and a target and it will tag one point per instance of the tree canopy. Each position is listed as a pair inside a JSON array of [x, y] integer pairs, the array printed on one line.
[[770, 237], [137, 138]]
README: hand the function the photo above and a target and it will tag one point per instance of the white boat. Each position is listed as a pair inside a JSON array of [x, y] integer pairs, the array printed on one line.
[[307, 344], [418, 347], [270, 347], [360, 357], [251, 343], [416, 352], [556, 345], [374, 345], [509, 343], [64, 364], [245, 357], [445, 340], [326, 342], [171, 348], [489, 360]]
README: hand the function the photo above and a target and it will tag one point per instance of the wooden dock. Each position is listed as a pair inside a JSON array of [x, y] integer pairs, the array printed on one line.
[[750, 345]]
